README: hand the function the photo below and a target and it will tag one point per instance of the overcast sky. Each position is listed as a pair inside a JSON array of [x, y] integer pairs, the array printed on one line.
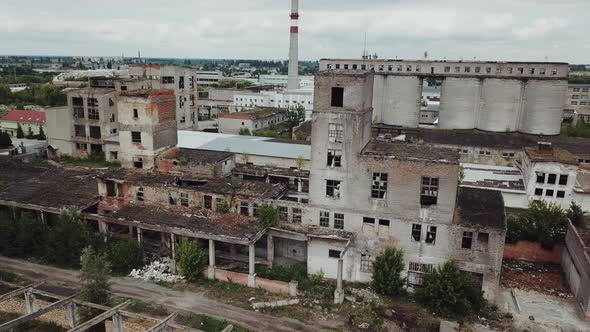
[[528, 30]]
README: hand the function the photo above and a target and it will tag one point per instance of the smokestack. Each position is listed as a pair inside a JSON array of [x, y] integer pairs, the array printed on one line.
[[293, 82]]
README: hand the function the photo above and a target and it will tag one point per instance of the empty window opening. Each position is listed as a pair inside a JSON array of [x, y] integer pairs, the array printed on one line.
[[172, 198], [384, 222], [324, 219], [184, 199], [467, 240], [207, 202], [367, 220], [338, 221], [365, 263], [140, 194], [337, 96], [136, 136], [335, 132], [138, 162], [334, 253], [95, 132], [244, 208], [540, 177], [135, 113], [538, 192], [549, 192], [563, 179], [333, 188], [429, 191], [552, 178], [334, 158], [283, 213], [482, 240], [560, 194], [430, 235], [80, 130], [379, 187], [417, 232], [297, 217], [111, 188]]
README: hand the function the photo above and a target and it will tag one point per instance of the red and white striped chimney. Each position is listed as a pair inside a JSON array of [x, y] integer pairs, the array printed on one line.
[[293, 82]]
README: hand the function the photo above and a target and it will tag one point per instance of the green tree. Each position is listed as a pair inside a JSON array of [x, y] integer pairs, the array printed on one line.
[[30, 134], [19, 131], [94, 279], [300, 162], [190, 258], [450, 292], [295, 115], [245, 132], [268, 215], [41, 135], [124, 255], [542, 222], [222, 207], [387, 269], [67, 238], [5, 140], [577, 215], [245, 157]]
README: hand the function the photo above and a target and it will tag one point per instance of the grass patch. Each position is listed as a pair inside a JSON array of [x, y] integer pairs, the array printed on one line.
[[91, 161], [154, 310], [405, 311], [206, 323], [31, 326], [13, 278], [579, 130], [296, 272]]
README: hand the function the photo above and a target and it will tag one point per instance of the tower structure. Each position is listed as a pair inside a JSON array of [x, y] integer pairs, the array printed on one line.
[[293, 83]]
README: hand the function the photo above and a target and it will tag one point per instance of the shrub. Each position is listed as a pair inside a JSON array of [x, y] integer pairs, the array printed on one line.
[[5, 140], [222, 207], [542, 222], [367, 317], [295, 272], [387, 269], [577, 215], [124, 255], [268, 215], [190, 258], [94, 278], [245, 132], [450, 292]]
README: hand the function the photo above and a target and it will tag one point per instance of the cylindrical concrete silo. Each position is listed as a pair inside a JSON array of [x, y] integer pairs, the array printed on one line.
[[543, 109], [397, 99], [459, 103], [501, 104]]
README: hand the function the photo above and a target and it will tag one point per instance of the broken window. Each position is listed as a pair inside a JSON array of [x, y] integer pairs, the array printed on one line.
[[447, 69], [324, 219], [540, 177], [365, 263], [467, 240], [184, 199], [80, 130], [416, 273], [112, 117], [482, 240], [135, 113], [172, 198], [549, 192], [563, 179], [181, 82], [430, 235], [367, 220], [334, 253], [538, 192], [167, 79], [379, 188], [82, 146], [207, 202], [283, 213], [77, 101], [333, 188], [94, 132], [111, 188], [384, 222], [520, 70], [93, 114], [244, 208], [416, 232], [338, 221], [542, 71], [337, 96], [255, 209], [552, 178], [78, 112], [467, 69], [139, 194], [138, 162], [114, 155], [334, 158], [136, 136], [119, 190], [429, 191], [296, 216], [457, 69], [92, 102], [560, 194], [335, 132]]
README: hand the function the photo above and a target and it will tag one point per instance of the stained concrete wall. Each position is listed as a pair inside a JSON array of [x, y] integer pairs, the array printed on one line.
[[396, 100], [501, 105], [576, 265], [460, 103], [543, 111]]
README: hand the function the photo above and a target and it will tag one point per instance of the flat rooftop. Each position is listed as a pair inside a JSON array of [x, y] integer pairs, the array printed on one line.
[[262, 171], [552, 154], [253, 145], [493, 177], [199, 155], [255, 114], [480, 207], [410, 151], [96, 91], [147, 93], [440, 61]]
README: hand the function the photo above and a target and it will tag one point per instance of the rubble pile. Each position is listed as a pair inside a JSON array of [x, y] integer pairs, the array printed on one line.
[[545, 278], [159, 271], [365, 295]]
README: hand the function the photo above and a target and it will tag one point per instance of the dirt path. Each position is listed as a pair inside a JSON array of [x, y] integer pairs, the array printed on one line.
[[174, 299]]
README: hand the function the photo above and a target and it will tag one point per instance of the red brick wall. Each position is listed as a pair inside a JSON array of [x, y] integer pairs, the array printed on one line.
[[533, 252]]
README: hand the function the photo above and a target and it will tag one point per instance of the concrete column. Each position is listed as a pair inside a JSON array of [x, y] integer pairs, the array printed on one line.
[[270, 250], [44, 217], [339, 293], [251, 266], [72, 315], [173, 246], [139, 236], [30, 302], [117, 323], [211, 270], [130, 230], [103, 227], [299, 185]]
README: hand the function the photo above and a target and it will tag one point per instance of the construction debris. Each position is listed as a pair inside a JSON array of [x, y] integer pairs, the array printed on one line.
[[545, 278], [159, 271]]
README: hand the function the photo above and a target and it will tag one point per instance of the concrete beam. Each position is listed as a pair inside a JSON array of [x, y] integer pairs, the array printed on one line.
[[20, 291], [100, 318], [23, 319], [251, 266], [161, 326], [285, 234]]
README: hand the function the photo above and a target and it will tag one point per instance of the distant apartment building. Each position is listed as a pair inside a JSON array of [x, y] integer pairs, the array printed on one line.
[[181, 80], [208, 78], [252, 120], [578, 102], [279, 99], [29, 121], [282, 80]]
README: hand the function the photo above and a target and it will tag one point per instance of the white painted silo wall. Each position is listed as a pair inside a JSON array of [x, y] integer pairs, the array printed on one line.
[[459, 103], [501, 104], [396, 100], [543, 111]]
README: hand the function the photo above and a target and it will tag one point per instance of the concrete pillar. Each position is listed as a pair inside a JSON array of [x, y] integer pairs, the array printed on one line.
[[44, 217], [30, 302], [211, 270], [173, 246], [268, 179], [293, 288], [117, 322], [339, 292], [103, 227], [299, 185], [139, 236], [270, 250], [130, 230], [72, 315], [251, 266]]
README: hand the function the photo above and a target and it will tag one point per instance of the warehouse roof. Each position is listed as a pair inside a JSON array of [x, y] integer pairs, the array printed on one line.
[[480, 207], [22, 116]]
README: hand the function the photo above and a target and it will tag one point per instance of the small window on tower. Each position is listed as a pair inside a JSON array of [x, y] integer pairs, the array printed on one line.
[[337, 96]]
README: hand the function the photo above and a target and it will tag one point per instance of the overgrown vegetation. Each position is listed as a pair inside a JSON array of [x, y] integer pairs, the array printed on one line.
[[124, 255], [93, 160], [268, 215], [30, 326], [542, 222], [580, 129], [245, 132], [295, 115], [450, 292], [387, 269], [207, 324], [234, 84], [5, 140], [272, 133], [368, 317], [94, 279], [36, 94], [297, 272], [190, 258], [576, 215], [222, 207]]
